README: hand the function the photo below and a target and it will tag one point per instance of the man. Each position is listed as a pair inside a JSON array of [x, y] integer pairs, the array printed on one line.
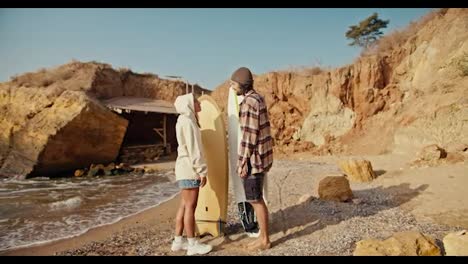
[[255, 150]]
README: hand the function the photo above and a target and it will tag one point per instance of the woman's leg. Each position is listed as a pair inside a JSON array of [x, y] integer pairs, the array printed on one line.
[[190, 197], [194, 247], [179, 228]]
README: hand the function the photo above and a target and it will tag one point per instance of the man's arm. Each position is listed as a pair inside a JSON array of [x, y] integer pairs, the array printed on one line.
[[249, 122]]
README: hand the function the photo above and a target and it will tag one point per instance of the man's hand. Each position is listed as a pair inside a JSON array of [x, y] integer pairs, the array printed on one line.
[[202, 181], [243, 172]]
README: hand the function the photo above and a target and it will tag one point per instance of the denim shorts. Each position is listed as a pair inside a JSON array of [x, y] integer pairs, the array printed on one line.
[[188, 184]]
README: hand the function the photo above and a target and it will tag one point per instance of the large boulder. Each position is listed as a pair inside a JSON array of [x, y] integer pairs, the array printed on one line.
[[335, 188], [457, 147], [432, 153], [456, 244], [408, 243], [46, 131], [357, 170]]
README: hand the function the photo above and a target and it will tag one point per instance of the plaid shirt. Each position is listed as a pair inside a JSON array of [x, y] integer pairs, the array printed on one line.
[[256, 144]]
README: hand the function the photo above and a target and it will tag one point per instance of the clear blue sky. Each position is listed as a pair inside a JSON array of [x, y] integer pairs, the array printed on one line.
[[202, 45]]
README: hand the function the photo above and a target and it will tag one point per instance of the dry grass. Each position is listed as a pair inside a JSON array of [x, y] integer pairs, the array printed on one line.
[[305, 70], [127, 70], [46, 77], [124, 69], [398, 37], [313, 71], [42, 78]]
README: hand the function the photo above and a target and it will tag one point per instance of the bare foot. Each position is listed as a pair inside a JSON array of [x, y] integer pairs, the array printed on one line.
[[253, 243], [258, 244], [261, 246]]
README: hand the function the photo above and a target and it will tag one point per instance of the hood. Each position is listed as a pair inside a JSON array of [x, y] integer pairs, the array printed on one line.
[[184, 105]]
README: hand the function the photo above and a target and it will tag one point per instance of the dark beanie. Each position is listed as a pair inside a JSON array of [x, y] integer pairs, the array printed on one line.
[[243, 76]]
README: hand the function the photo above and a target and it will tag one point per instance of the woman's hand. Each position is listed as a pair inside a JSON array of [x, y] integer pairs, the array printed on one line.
[[202, 181]]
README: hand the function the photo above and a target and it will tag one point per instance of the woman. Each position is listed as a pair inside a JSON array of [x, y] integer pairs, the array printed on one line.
[[190, 171]]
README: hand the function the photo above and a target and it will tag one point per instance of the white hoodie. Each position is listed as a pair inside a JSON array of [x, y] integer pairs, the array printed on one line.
[[190, 161]]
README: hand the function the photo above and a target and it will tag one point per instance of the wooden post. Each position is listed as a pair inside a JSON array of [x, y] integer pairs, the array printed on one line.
[[162, 132], [165, 132]]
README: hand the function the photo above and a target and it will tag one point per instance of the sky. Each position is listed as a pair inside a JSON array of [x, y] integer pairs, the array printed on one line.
[[203, 46]]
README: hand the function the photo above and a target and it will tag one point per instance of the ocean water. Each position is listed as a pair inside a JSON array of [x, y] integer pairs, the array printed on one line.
[[41, 210]]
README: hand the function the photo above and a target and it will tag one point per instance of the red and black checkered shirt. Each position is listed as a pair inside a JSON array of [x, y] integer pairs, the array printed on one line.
[[256, 144]]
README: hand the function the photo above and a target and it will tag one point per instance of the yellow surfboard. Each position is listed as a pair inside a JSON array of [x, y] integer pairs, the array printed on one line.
[[211, 212]]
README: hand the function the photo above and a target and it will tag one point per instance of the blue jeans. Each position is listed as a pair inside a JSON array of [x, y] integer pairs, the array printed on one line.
[[189, 184]]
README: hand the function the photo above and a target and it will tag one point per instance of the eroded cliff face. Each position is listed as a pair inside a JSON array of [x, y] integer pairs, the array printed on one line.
[[52, 131], [53, 120], [368, 106]]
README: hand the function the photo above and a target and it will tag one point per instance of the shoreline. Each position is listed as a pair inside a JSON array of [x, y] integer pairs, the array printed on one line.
[[301, 224], [161, 215]]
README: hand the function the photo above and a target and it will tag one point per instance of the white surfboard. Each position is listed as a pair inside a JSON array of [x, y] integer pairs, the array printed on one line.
[[234, 139]]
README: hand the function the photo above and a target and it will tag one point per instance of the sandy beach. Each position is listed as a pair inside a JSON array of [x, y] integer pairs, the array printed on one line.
[[401, 198]]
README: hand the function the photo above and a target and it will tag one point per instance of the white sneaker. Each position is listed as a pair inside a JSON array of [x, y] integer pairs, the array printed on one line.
[[252, 234], [198, 248], [176, 246]]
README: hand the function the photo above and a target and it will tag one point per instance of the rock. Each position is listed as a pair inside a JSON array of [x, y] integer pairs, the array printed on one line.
[[95, 170], [79, 173], [117, 172], [139, 170], [108, 170], [408, 243], [125, 167], [149, 170], [335, 188], [432, 153], [316, 182], [306, 198], [370, 247], [456, 244], [357, 201], [357, 170], [445, 127], [455, 157], [149, 154], [48, 131], [457, 148]]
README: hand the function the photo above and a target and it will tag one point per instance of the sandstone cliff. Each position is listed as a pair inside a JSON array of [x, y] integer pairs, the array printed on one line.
[[53, 120], [410, 91]]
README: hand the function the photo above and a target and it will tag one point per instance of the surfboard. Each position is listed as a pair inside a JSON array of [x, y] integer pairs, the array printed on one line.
[[211, 212], [234, 138], [245, 210]]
